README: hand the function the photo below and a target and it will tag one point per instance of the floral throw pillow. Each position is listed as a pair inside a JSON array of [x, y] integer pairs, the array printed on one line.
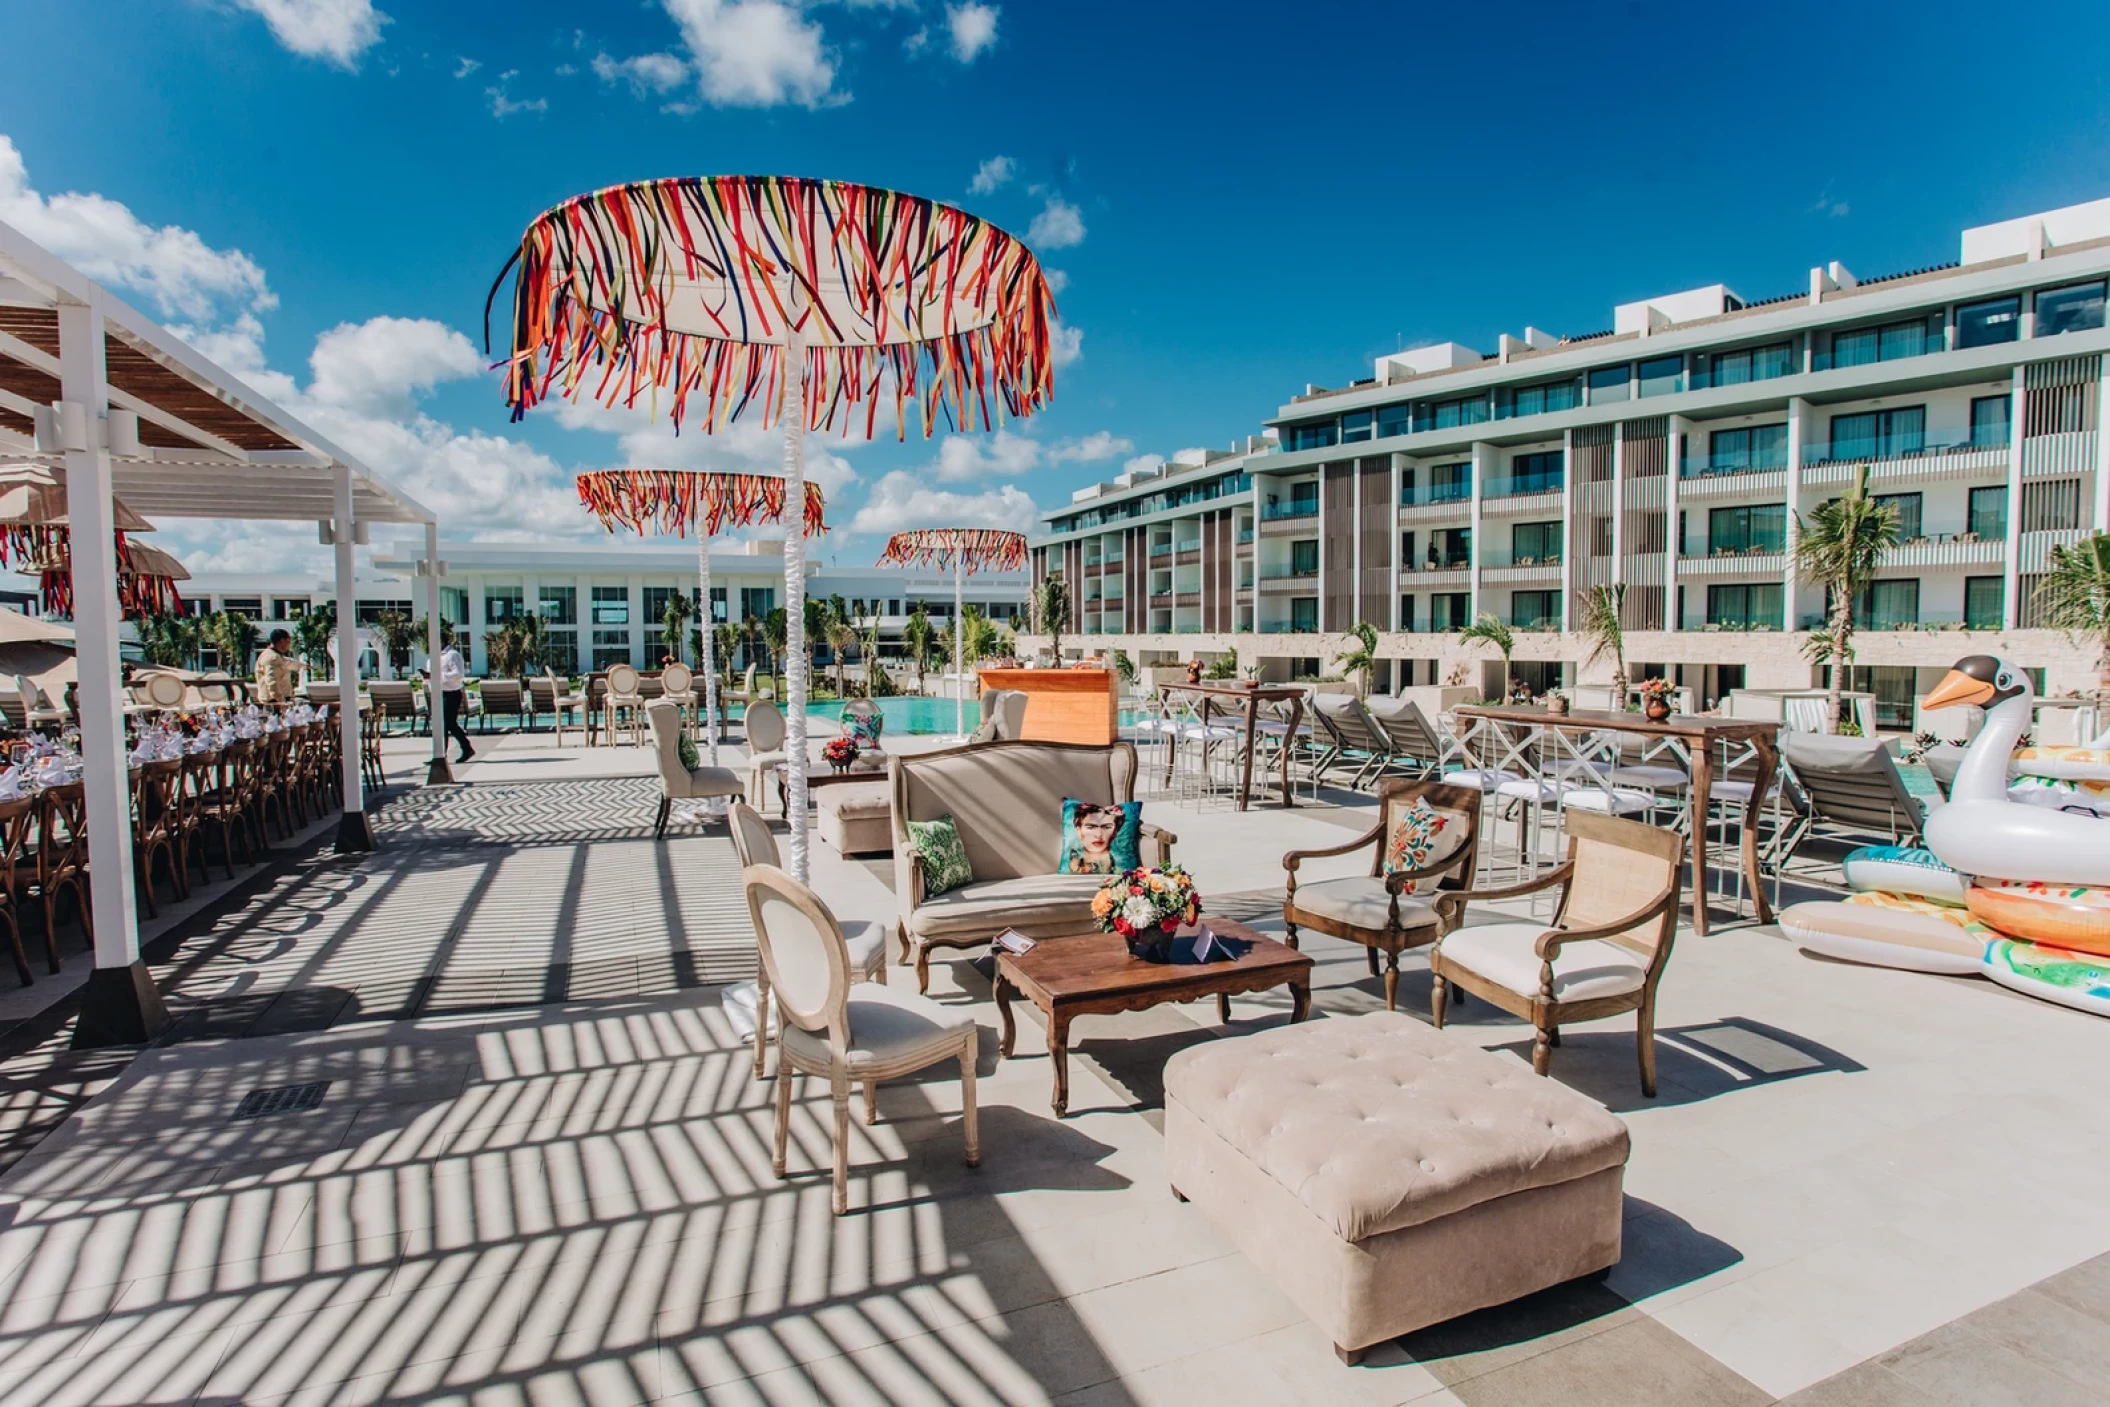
[[943, 853], [1421, 838], [1100, 838], [685, 749], [863, 728]]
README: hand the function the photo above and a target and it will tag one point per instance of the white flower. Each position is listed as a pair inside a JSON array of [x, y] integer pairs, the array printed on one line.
[[1140, 911]]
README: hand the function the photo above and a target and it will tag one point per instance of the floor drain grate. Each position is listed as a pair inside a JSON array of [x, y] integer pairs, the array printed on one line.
[[280, 1099]]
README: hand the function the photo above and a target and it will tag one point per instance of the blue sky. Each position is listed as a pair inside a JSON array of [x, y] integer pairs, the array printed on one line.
[[1238, 198]]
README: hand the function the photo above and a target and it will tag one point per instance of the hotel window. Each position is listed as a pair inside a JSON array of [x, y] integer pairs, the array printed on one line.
[[288, 607], [1743, 606], [1989, 421], [504, 603], [1887, 605], [1406, 551], [1536, 473], [1537, 541], [1450, 610], [560, 605], [1749, 364], [1450, 547], [250, 606], [1907, 507], [1393, 420], [1314, 436], [718, 604], [1356, 426], [560, 651], [1535, 609], [1879, 434], [1760, 527], [1304, 613], [1753, 447], [1451, 483], [1889, 342], [1986, 324], [1542, 399], [656, 598], [1304, 558], [2075, 309], [1662, 377], [1984, 602], [1449, 415], [1989, 512], [1406, 614], [1611, 383], [759, 601], [610, 647], [370, 612], [611, 606]]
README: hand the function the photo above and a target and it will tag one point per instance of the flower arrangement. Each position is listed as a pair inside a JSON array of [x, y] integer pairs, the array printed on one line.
[[840, 752], [1654, 689], [1144, 905]]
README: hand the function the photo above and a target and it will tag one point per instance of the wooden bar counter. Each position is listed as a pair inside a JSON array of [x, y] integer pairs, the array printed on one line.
[[1064, 705]]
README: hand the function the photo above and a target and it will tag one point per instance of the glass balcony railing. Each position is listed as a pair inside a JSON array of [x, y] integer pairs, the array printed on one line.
[[1416, 495], [1903, 447], [1245, 535], [1295, 508], [1700, 466], [1163, 549], [1525, 483], [1288, 573]]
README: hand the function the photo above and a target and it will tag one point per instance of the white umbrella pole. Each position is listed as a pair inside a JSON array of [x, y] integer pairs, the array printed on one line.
[[794, 413], [959, 642], [710, 647]]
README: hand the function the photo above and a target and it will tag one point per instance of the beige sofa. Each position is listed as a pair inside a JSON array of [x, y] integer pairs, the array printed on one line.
[[1388, 1176], [1006, 798]]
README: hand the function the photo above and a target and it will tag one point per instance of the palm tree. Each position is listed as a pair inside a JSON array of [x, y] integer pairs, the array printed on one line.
[[1602, 633], [2074, 596], [1839, 548], [751, 633], [397, 636], [841, 634], [234, 636], [169, 638], [725, 638], [979, 637], [312, 632], [918, 635], [1491, 629], [1360, 661], [672, 618], [776, 631], [1051, 611]]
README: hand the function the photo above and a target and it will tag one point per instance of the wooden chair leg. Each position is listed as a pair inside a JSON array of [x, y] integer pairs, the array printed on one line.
[[1391, 979], [1371, 953], [1542, 1051], [1645, 1039], [969, 1117], [761, 1022], [871, 1092], [839, 1096], [1438, 992], [783, 1129], [14, 935]]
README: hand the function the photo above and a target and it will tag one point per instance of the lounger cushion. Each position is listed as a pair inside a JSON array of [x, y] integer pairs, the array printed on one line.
[[887, 1027], [1378, 1122], [1360, 902], [1506, 955], [1039, 906]]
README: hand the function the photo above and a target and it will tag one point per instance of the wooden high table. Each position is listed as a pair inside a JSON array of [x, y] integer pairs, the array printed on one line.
[[1248, 701], [1700, 733]]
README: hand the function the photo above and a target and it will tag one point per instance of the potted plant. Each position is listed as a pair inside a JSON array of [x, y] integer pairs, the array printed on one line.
[[1557, 704], [839, 753], [1655, 699], [1145, 906]]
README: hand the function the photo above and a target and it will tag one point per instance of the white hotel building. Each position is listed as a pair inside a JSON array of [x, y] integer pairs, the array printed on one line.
[[1670, 453]]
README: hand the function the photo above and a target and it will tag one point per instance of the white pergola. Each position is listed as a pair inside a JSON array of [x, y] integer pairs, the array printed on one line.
[[125, 407]]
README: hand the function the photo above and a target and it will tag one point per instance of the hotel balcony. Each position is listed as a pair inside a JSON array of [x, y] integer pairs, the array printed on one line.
[[1274, 579], [2036, 547], [1826, 466], [1770, 564], [1948, 550], [1288, 519], [1517, 497], [1701, 479], [1436, 578], [1546, 572]]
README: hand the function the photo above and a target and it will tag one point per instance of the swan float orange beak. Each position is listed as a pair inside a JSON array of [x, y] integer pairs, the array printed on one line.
[[1958, 687]]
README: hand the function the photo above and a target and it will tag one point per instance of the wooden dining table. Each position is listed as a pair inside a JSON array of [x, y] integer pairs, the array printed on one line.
[[1241, 699], [1700, 733]]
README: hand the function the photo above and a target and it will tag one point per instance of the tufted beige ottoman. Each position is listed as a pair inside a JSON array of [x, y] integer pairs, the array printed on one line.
[[856, 816], [1389, 1176]]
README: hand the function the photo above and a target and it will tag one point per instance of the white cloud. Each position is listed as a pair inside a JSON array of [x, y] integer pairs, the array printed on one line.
[[504, 105], [916, 43], [754, 53], [1141, 463], [383, 365], [973, 28], [336, 31], [1001, 455], [1066, 345], [465, 67], [1058, 281], [992, 175], [1100, 444], [901, 501], [646, 73], [745, 446], [1059, 225], [175, 269]]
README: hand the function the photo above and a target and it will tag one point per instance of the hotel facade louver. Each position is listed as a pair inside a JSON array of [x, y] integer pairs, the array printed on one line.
[[1670, 454]]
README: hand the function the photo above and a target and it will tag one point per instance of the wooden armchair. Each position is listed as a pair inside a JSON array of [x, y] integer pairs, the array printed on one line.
[[1604, 953], [1386, 910]]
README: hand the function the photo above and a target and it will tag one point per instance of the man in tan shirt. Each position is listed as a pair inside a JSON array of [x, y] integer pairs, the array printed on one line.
[[276, 669]]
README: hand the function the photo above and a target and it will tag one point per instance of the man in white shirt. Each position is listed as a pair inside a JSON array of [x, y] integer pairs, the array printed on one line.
[[451, 678]]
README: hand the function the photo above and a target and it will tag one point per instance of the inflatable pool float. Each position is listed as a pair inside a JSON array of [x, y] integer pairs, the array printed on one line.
[[1884, 930], [1906, 870], [2075, 917], [2062, 794], [2078, 980], [2073, 764]]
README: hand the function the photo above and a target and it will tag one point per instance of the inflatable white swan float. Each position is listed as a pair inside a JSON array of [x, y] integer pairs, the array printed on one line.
[[1954, 907]]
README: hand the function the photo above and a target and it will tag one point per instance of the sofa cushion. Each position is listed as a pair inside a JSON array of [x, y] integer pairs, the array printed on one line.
[[1100, 838], [1361, 901], [945, 866], [887, 1027], [1419, 836], [1378, 1122], [1506, 954], [1007, 800], [855, 801], [1039, 906]]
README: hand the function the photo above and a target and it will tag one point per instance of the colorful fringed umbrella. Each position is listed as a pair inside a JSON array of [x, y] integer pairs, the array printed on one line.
[[964, 550], [679, 502], [822, 299], [146, 578], [36, 532]]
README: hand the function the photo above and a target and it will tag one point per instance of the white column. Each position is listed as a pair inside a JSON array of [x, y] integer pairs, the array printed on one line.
[[1619, 501], [121, 1005], [1567, 530], [959, 634], [2102, 451], [437, 770], [472, 633], [1798, 448], [1392, 579], [793, 411], [710, 645], [1483, 460], [2011, 587], [1673, 542], [354, 834]]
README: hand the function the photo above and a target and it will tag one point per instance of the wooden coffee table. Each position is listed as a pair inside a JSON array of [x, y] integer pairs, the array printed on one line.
[[1092, 974]]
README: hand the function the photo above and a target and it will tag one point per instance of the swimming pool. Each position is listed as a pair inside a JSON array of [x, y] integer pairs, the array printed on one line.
[[909, 714]]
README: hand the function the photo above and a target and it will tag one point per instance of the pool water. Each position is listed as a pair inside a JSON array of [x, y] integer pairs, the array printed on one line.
[[910, 714]]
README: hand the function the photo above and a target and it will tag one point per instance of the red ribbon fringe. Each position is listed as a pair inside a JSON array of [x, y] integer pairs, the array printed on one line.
[[991, 549], [690, 503]]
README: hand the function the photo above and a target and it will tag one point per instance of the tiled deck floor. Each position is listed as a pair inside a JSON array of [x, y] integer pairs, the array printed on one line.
[[1887, 1178]]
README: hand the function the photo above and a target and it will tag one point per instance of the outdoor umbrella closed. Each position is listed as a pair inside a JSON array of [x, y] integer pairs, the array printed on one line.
[[815, 302]]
